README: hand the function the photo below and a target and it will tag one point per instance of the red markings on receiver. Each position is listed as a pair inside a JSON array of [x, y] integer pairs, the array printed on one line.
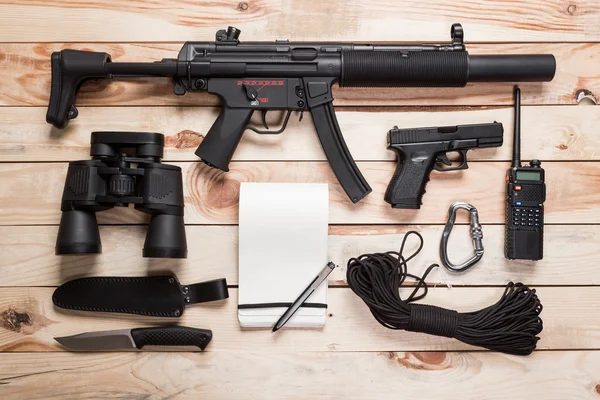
[[260, 83]]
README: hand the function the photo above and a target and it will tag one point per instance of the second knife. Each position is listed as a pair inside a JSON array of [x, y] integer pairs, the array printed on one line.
[[137, 338]]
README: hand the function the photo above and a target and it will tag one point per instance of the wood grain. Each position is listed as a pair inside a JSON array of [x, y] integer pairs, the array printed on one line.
[[29, 321], [23, 64], [28, 255], [352, 357], [556, 375], [212, 196], [354, 20], [549, 132]]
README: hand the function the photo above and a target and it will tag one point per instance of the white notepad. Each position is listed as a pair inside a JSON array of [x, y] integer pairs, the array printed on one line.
[[283, 230]]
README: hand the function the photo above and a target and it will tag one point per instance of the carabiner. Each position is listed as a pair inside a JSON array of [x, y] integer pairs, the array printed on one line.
[[476, 235]]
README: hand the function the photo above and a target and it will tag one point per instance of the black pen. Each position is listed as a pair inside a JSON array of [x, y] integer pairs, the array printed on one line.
[[305, 295]]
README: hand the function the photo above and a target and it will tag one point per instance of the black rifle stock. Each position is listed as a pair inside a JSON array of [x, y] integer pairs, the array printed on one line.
[[293, 77]]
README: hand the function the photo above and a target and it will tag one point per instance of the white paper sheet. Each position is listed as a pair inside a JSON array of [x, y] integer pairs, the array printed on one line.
[[283, 230]]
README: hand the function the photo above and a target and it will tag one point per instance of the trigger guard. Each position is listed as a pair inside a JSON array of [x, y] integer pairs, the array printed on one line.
[[272, 132], [463, 164], [438, 166]]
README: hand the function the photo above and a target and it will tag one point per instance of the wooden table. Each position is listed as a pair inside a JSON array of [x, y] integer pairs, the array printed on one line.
[[353, 356]]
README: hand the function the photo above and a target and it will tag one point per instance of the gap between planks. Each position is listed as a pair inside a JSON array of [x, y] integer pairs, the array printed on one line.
[[576, 71], [550, 133], [212, 197], [332, 375], [29, 260], [570, 321], [355, 20]]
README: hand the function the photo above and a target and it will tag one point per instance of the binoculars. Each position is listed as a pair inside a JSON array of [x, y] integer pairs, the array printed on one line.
[[109, 180]]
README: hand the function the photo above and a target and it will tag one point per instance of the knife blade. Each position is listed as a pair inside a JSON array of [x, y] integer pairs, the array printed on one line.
[[137, 338]]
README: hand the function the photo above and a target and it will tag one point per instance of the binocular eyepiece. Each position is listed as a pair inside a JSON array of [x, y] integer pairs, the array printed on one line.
[[109, 180]]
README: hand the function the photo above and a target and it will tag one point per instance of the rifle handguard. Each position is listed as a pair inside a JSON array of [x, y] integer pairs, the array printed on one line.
[[411, 69]]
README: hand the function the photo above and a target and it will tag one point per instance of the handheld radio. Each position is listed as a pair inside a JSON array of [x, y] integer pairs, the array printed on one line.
[[525, 196]]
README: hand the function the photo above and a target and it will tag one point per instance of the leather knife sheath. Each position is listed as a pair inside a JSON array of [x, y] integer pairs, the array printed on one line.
[[157, 296]]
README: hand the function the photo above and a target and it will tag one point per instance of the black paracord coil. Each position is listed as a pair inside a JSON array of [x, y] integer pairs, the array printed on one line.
[[509, 326]]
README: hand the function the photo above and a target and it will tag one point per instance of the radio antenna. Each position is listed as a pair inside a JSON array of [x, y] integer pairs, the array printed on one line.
[[516, 160]]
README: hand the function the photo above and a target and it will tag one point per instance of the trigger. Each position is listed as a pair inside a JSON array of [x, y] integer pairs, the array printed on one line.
[[443, 158], [263, 118]]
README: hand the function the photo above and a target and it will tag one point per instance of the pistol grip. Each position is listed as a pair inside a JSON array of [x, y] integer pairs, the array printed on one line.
[[222, 139], [407, 186], [69, 69]]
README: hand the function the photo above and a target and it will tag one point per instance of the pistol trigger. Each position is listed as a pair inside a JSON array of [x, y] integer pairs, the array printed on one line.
[[443, 158], [301, 116], [263, 118]]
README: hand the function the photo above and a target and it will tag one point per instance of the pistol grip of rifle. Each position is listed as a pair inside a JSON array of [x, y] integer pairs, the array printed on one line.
[[337, 152], [69, 69], [407, 186], [222, 139]]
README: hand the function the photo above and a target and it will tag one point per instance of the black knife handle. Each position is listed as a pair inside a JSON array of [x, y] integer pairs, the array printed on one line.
[[171, 336]]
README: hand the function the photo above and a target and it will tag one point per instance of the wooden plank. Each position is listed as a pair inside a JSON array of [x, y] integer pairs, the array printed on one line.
[[549, 132], [212, 196], [549, 375], [350, 326], [355, 20], [28, 255], [23, 64]]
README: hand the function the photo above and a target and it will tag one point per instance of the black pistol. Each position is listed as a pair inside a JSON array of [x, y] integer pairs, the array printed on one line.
[[292, 76], [422, 149]]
